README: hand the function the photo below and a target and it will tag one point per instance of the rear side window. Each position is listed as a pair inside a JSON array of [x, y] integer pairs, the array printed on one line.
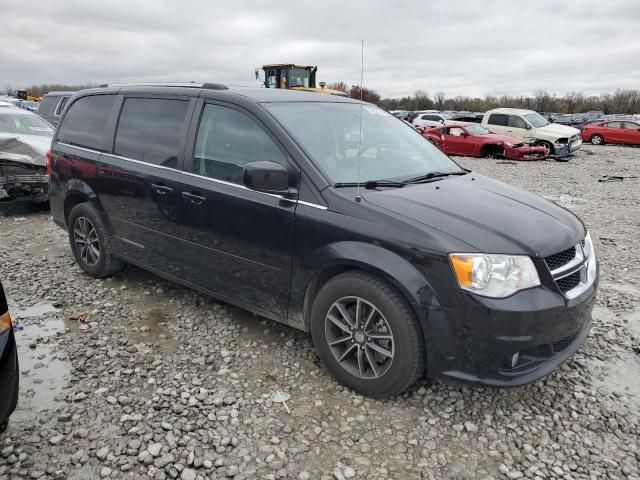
[[228, 140], [85, 122], [498, 119], [47, 104], [150, 129], [631, 126], [516, 122]]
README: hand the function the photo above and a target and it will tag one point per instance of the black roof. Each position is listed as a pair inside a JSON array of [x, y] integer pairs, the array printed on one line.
[[212, 90]]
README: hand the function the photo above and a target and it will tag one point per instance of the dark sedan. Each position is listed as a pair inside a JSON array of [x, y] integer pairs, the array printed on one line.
[[8, 365]]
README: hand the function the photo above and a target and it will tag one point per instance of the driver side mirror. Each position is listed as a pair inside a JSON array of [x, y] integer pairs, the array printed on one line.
[[527, 126], [268, 177]]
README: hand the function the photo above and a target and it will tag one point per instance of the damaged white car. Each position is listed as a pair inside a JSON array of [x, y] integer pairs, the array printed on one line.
[[24, 141]]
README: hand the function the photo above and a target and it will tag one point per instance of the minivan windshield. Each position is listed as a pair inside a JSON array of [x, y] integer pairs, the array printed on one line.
[[390, 149], [536, 120]]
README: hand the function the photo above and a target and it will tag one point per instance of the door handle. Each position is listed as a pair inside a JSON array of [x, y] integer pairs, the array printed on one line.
[[193, 198], [161, 189]]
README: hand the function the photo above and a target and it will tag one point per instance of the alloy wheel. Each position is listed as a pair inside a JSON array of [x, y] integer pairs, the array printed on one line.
[[596, 140], [359, 337], [87, 241]]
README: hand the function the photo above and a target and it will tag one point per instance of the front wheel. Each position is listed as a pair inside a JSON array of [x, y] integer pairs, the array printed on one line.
[[366, 335], [547, 146], [597, 139]]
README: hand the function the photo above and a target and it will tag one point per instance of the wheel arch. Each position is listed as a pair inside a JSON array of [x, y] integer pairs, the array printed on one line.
[[76, 192], [396, 270]]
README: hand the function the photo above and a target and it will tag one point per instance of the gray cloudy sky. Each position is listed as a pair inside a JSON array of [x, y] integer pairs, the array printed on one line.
[[456, 46]]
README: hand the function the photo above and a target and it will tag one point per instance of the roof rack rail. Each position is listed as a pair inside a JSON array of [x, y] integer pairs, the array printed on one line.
[[208, 86]]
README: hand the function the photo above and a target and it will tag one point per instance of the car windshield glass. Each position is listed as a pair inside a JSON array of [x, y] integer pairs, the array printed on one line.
[[476, 130], [24, 124], [536, 120], [330, 133]]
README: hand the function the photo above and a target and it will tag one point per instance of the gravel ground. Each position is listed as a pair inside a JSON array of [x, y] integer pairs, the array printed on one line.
[[133, 377]]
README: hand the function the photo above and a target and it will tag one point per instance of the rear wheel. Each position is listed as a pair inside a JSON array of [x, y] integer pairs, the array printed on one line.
[[91, 243], [597, 139], [366, 335]]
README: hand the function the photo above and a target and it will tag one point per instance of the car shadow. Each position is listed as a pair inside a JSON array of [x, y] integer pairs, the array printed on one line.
[[13, 208]]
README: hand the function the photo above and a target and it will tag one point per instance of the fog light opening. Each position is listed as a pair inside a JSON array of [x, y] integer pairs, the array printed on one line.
[[514, 359]]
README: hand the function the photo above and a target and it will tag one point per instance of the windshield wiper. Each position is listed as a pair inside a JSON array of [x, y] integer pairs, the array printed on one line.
[[430, 175], [371, 184]]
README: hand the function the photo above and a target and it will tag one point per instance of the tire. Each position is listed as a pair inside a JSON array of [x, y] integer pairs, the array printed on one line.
[[596, 139], [546, 145], [376, 367], [99, 262]]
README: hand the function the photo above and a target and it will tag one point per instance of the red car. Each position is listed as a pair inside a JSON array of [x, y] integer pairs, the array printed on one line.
[[615, 131], [473, 140]]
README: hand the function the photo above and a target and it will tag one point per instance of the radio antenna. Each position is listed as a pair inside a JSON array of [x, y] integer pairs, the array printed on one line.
[[358, 197]]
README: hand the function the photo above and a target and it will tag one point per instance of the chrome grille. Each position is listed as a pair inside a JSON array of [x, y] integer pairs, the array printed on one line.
[[560, 259], [569, 282], [573, 269]]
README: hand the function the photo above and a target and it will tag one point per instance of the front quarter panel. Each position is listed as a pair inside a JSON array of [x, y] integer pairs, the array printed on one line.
[[407, 256]]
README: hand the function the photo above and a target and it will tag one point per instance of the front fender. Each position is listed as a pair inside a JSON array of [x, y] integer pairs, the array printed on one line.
[[317, 267]]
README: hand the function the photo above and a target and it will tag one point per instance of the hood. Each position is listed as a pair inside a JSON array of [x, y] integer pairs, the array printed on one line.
[[29, 149], [487, 214], [559, 130]]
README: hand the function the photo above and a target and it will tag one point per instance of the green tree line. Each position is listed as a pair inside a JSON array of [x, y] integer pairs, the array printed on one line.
[[620, 101]]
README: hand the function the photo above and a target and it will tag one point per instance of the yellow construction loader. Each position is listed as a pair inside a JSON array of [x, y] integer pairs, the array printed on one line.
[[294, 77]]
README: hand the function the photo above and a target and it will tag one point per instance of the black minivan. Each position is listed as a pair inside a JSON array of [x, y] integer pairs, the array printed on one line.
[[331, 216]]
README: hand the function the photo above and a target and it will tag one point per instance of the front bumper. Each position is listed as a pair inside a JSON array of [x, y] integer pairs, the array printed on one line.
[[29, 186], [566, 149], [525, 153], [9, 378], [476, 341]]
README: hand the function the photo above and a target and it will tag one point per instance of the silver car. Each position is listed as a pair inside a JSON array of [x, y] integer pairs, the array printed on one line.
[[24, 141]]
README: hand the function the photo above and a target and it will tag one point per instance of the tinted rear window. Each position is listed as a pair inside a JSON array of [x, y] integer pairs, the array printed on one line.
[[85, 122], [150, 129], [498, 119], [47, 103]]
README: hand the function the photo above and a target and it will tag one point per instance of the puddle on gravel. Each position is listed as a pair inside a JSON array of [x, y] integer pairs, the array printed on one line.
[[42, 373], [632, 321], [152, 328], [618, 375]]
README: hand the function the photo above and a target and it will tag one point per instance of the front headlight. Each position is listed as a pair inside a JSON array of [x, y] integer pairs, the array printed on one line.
[[495, 276], [5, 322]]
